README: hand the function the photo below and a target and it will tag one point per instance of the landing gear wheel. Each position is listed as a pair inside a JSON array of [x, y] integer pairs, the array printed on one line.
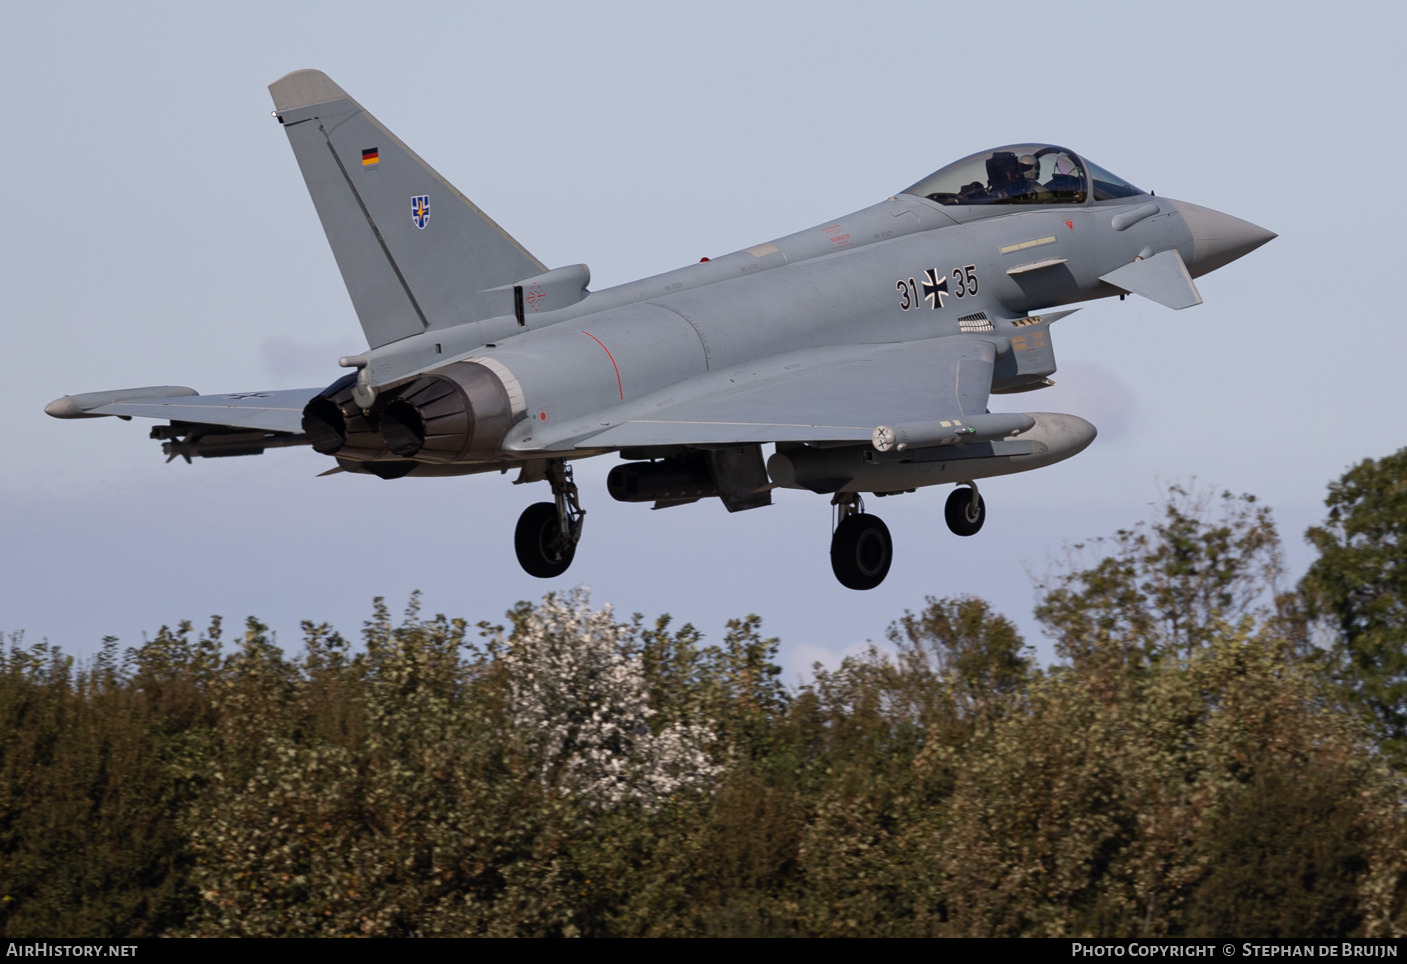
[[542, 549], [861, 551], [965, 518]]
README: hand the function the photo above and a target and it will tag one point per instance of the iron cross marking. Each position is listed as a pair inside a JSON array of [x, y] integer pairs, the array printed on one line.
[[934, 291]]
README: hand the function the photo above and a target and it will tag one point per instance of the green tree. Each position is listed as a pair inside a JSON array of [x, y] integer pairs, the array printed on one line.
[[1167, 585], [1217, 793], [975, 657], [1358, 588], [96, 765]]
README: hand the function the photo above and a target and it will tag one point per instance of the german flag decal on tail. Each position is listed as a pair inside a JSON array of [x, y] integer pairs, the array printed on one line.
[[371, 157]]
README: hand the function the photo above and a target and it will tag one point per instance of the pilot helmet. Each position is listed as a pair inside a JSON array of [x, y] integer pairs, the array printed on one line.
[[1030, 167]]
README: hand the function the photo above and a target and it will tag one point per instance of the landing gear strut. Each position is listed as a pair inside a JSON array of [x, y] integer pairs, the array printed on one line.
[[861, 549], [548, 532], [965, 511]]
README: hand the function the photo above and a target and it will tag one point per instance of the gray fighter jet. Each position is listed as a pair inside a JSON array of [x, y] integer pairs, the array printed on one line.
[[864, 350]]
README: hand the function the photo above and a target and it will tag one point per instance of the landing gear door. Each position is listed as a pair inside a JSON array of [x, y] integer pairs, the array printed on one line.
[[741, 477]]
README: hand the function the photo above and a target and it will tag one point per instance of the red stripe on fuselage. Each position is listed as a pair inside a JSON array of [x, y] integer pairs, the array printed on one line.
[[619, 387]]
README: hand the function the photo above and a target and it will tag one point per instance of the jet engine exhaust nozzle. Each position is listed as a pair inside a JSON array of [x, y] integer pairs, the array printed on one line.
[[336, 425], [325, 425], [459, 413]]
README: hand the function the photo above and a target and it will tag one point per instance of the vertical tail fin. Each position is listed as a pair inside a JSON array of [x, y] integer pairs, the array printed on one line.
[[413, 251]]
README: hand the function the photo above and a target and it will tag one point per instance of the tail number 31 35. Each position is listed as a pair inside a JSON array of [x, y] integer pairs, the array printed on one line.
[[935, 287]]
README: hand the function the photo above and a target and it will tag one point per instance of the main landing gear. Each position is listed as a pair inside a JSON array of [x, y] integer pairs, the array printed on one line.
[[861, 548], [548, 532]]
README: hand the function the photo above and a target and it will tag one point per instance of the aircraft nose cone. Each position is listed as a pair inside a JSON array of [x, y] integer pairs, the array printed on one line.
[[1217, 238]]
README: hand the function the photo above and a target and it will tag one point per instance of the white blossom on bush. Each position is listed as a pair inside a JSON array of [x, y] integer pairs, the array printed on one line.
[[577, 690]]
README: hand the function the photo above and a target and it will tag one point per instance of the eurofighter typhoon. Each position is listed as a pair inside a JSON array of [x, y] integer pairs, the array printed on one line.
[[863, 350]]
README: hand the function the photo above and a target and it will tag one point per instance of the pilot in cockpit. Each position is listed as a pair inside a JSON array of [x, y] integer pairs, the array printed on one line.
[[1004, 178], [1034, 190], [1015, 179], [1020, 174]]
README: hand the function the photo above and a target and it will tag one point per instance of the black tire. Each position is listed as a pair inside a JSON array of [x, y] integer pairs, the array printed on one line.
[[542, 550], [960, 516], [861, 551]]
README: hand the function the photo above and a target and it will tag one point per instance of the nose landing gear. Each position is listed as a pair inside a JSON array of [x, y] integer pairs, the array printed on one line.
[[965, 511], [548, 532], [861, 549]]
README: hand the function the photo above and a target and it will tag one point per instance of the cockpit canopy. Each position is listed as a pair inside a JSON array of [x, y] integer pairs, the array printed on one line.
[[1022, 174]]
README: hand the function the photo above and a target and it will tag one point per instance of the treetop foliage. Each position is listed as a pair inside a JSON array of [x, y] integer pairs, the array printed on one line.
[[1189, 768], [1357, 588], [1165, 588]]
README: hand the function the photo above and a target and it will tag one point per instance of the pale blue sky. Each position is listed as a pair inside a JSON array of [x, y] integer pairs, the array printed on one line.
[[157, 232]]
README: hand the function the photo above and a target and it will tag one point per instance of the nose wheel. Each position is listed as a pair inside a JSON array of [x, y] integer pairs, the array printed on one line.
[[861, 548], [965, 511], [548, 532]]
